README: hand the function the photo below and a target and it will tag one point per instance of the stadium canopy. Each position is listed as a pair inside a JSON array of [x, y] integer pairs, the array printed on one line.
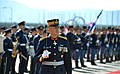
[[62, 5]]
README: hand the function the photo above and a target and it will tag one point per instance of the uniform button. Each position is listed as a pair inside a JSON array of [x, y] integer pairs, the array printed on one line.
[[54, 66], [54, 53], [54, 60], [61, 56], [54, 47]]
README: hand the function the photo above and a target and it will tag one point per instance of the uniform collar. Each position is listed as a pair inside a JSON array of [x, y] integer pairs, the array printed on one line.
[[8, 37], [54, 39]]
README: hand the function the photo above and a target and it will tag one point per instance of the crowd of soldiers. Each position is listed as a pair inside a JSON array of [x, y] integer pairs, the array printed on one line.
[[52, 47]]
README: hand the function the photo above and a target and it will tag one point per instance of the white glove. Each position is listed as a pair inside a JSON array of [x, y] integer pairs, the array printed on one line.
[[78, 39], [46, 54], [107, 45], [88, 44], [77, 50], [97, 41]]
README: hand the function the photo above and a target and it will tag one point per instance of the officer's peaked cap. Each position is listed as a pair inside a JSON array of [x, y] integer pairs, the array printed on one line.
[[53, 22], [21, 23], [7, 31], [14, 26], [40, 27]]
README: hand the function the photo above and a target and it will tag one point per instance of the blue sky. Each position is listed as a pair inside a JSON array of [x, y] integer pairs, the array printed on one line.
[[39, 11]]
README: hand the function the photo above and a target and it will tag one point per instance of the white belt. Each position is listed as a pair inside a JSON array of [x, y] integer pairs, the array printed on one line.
[[10, 49], [31, 46], [22, 44], [53, 63]]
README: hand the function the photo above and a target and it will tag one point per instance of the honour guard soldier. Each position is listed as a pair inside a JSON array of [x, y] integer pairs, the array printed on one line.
[[26, 31], [80, 51], [71, 39], [7, 59], [62, 31], [35, 69], [14, 30], [31, 41], [119, 45], [117, 37], [22, 47], [93, 47], [40, 30], [110, 37], [103, 42], [53, 51]]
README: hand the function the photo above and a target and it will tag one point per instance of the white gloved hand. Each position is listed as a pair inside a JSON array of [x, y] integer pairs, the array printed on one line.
[[107, 45], [77, 50], [46, 54], [97, 41]]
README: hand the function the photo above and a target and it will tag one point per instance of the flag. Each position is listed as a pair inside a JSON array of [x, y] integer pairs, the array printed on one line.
[[92, 27]]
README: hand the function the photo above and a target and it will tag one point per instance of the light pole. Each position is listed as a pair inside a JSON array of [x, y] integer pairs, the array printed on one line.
[[11, 10]]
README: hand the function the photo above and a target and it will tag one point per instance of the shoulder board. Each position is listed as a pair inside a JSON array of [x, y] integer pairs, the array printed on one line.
[[42, 38], [63, 37]]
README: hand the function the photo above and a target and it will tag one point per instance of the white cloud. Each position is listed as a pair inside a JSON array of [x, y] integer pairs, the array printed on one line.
[[71, 4]]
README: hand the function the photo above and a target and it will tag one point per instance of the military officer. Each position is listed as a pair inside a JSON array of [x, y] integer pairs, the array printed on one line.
[[7, 59], [22, 39], [54, 51]]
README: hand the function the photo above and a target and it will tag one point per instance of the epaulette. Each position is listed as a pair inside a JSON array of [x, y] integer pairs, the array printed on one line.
[[63, 37], [43, 38]]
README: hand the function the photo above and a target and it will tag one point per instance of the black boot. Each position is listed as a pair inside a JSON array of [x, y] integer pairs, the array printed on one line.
[[101, 61], [111, 59], [93, 63], [119, 57], [115, 57], [98, 57], [107, 60], [82, 63], [76, 65]]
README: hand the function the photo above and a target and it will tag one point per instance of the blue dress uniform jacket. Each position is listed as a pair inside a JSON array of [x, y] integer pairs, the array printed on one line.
[[31, 40], [36, 66], [78, 41], [59, 49], [71, 39], [102, 40], [7, 56], [94, 43], [13, 37], [36, 41], [8, 46], [84, 41], [110, 39], [22, 40]]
